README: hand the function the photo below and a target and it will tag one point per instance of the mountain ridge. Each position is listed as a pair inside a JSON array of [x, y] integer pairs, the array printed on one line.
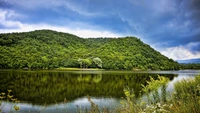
[[47, 49], [195, 60]]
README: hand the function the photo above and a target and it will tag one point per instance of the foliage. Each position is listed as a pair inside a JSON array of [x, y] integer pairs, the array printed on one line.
[[190, 66], [46, 49], [153, 85], [84, 63], [132, 105], [97, 62], [186, 99], [129, 105]]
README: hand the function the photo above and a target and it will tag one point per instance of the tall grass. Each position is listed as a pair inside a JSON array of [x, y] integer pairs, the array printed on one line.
[[186, 98]]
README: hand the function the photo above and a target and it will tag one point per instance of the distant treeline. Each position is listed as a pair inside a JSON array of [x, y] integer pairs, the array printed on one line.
[[190, 66], [46, 49]]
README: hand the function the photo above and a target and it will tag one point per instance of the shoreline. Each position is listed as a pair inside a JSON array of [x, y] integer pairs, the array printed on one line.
[[80, 69]]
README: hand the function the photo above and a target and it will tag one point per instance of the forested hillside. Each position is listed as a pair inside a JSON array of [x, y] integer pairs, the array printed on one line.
[[46, 49]]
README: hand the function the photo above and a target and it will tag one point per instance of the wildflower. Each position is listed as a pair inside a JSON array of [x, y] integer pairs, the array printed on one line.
[[157, 108], [170, 105], [158, 105], [9, 91]]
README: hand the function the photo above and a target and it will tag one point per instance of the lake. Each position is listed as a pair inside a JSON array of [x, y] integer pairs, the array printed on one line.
[[59, 91]]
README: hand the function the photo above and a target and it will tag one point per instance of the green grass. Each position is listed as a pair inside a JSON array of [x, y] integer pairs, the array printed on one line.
[[77, 69], [186, 98]]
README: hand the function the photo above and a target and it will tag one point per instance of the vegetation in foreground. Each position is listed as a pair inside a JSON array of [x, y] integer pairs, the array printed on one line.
[[46, 49], [9, 97], [185, 99]]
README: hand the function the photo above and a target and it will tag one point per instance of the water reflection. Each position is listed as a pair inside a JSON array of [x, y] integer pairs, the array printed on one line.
[[181, 76], [69, 107], [39, 87], [36, 88], [83, 77]]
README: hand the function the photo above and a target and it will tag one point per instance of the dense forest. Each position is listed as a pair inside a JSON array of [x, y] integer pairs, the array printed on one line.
[[46, 49]]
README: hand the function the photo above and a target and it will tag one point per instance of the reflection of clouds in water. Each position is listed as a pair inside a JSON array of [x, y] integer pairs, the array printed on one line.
[[180, 77], [94, 78], [83, 103], [101, 102], [24, 107], [179, 72]]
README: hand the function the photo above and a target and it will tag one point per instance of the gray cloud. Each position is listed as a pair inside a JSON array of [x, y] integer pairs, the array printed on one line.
[[172, 22]]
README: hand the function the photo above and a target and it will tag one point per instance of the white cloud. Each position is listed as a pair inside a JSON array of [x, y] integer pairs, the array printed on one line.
[[180, 53], [86, 33], [193, 44], [9, 23], [16, 26]]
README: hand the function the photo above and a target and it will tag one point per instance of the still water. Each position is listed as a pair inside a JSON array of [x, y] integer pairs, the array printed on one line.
[[55, 91]]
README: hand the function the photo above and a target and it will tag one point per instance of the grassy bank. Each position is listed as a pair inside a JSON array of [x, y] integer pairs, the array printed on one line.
[[78, 69]]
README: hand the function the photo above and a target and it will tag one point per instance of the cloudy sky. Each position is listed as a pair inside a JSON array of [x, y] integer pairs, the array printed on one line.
[[170, 26]]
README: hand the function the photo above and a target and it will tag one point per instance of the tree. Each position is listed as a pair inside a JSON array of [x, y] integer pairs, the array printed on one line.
[[87, 62], [80, 61], [46, 49], [98, 61]]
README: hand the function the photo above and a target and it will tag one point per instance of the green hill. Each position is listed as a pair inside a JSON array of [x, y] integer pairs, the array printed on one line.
[[46, 49]]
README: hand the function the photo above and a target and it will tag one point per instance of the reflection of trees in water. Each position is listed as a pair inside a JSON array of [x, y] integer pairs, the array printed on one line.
[[96, 78], [48, 87]]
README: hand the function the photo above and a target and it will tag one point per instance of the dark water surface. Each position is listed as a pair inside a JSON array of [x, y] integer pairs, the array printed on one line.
[[45, 90]]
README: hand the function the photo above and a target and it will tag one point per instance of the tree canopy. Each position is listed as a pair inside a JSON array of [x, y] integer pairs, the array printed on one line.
[[46, 49]]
